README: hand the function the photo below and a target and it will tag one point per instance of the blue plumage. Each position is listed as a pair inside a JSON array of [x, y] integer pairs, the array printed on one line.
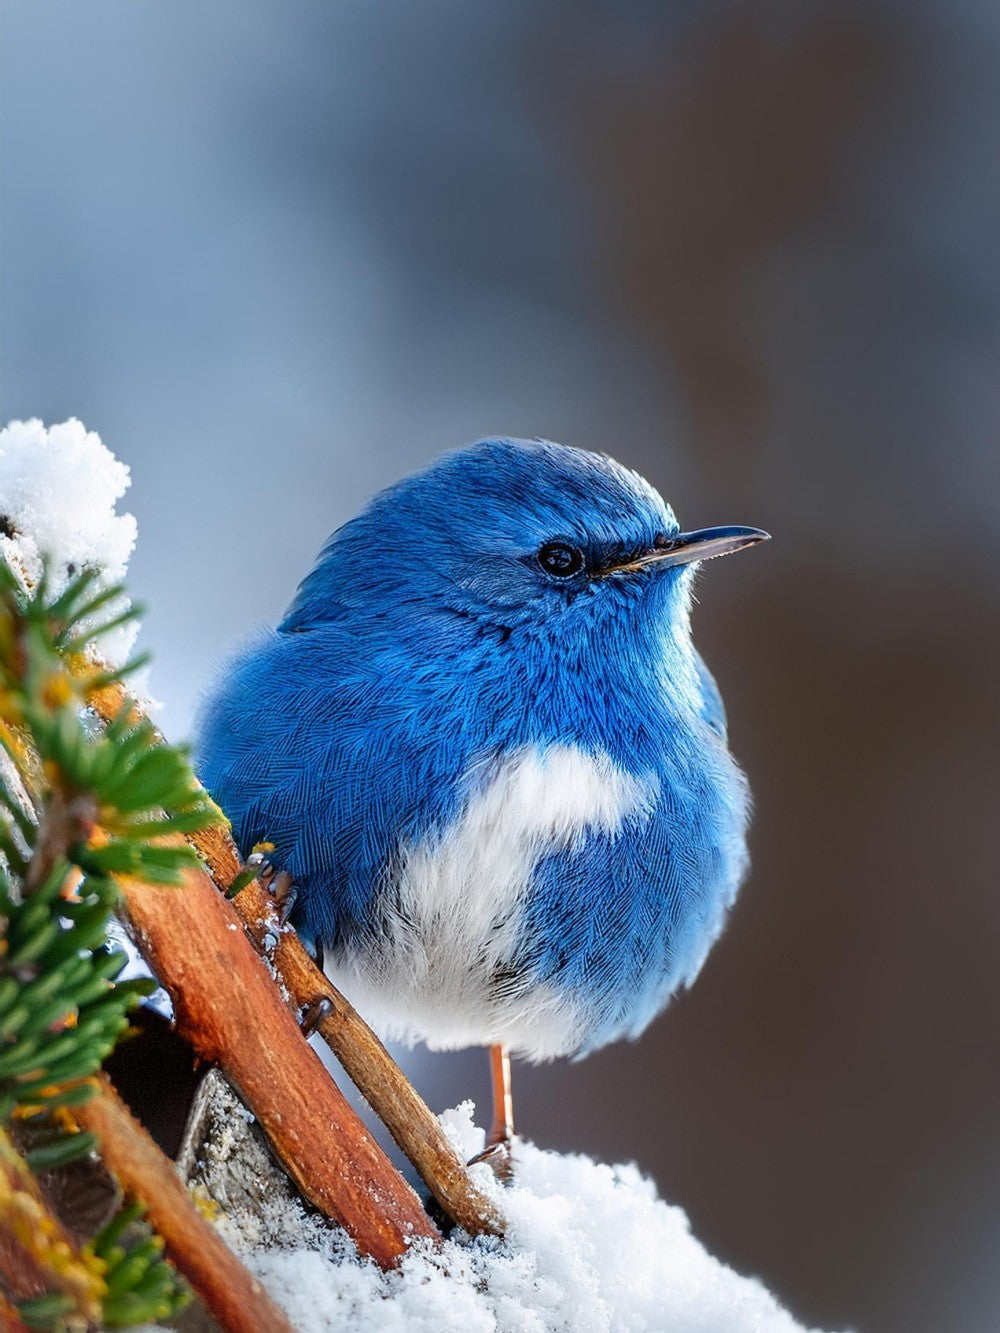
[[484, 746]]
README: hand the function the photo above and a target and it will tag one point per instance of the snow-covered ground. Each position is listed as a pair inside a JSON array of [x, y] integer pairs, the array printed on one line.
[[590, 1249]]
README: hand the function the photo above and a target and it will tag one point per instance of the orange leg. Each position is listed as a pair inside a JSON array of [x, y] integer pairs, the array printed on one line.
[[503, 1103], [498, 1141]]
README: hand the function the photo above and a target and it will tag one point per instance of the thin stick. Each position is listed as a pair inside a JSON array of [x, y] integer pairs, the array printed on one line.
[[231, 1294]]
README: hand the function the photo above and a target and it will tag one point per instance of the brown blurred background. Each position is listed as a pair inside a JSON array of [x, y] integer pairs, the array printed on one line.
[[278, 254]]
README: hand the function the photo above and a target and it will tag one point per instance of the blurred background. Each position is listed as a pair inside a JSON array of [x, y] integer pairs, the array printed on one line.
[[278, 254]]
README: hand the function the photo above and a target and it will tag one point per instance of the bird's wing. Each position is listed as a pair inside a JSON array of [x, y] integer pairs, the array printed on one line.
[[311, 743]]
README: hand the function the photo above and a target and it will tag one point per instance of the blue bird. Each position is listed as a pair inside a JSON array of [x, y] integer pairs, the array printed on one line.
[[485, 748]]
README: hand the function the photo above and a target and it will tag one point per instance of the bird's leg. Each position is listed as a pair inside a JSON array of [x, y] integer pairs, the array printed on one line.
[[278, 883], [284, 893], [498, 1142], [502, 1130]]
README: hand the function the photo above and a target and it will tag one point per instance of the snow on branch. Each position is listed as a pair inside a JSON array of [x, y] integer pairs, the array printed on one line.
[[59, 488]]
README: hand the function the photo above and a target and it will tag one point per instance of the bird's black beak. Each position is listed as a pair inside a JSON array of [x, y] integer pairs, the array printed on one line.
[[685, 547]]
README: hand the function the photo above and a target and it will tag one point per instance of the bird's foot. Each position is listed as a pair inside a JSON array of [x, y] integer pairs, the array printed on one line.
[[277, 883], [498, 1156], [258, 866], [282, 889], [314, 1015]]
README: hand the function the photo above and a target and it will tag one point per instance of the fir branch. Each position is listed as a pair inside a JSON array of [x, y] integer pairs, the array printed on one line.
[[42, 1267], [62, 1007]]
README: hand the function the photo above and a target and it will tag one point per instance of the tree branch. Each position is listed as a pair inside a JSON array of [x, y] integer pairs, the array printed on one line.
[[383, 1084], [232, 1295]]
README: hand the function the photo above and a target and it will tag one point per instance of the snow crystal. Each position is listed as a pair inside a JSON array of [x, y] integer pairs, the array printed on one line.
[[58, 491], [589, 1249]]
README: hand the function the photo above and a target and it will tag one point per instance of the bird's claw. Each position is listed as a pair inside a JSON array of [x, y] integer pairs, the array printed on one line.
[[278, 883], [498, 1156], [314, 1015], [255, 867], [266, 872], [284, 893]]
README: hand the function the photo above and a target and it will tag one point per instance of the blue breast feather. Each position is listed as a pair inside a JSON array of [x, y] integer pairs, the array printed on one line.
[[342, 747]]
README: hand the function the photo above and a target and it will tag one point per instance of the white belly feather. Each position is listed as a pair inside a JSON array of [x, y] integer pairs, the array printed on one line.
[[457, 917]]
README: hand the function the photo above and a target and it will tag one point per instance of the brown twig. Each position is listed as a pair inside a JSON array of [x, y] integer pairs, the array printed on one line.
[[65, 820], [232, 1295], [381, 1082], [228, 1007]]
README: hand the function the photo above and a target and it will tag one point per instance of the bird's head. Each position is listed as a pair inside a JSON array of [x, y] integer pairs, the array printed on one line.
[[513, 534]]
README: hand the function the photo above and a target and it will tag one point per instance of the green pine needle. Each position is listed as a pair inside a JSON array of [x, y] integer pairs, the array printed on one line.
[[62, 1007]]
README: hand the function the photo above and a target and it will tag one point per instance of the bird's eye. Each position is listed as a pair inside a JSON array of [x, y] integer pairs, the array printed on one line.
[[561, 559]]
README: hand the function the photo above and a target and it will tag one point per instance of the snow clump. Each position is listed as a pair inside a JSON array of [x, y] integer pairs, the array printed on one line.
[[589, 1249], [58, 491]]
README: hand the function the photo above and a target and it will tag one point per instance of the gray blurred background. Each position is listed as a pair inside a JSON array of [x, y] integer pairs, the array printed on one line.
[[278, 254]]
